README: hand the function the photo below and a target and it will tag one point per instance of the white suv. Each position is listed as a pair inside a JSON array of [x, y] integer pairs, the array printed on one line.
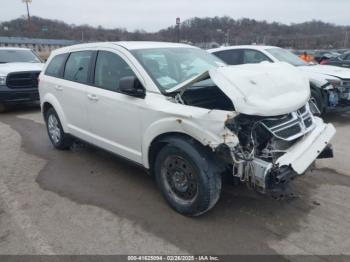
[[181, 113]]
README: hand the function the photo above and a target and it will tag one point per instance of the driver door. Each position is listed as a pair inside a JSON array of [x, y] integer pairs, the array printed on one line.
[[114, 117]]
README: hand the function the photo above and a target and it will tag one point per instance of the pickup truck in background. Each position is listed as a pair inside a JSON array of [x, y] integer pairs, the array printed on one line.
[[19, 71]]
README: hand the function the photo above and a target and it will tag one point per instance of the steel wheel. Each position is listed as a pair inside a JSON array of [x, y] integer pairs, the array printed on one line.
[[180, 177]]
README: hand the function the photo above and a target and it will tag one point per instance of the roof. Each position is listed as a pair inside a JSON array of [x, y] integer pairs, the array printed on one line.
[[37, 41], [132, 45], [256, 47]]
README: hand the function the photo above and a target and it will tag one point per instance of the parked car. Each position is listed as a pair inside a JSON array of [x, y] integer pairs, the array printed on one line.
[[330, 85], [182, 114], [322, 57], [19, 71], [342, 60]]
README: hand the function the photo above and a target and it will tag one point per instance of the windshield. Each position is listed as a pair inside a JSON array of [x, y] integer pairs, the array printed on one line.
[[283, 55], [169, 67], [12, 56]]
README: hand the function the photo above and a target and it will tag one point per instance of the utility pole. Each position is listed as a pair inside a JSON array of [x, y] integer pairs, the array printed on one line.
[[228, 37], [346, 39], [27, 2], [178, 22]]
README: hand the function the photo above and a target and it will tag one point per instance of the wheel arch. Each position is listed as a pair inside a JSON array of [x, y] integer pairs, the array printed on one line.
[[51, 102], [180, 128], [162, 140]]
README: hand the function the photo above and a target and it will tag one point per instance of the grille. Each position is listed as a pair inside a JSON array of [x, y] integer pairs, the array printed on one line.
[[22, 80], [291, 126]]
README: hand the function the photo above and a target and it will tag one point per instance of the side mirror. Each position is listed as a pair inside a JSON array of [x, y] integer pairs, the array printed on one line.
[[131, 86]]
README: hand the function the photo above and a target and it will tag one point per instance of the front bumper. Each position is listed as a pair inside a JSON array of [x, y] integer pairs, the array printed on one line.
[[18, 96], [302, 154], [296, 160]]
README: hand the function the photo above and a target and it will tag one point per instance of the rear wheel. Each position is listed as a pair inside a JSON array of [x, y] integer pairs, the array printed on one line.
[[58, 137], [190, 182]]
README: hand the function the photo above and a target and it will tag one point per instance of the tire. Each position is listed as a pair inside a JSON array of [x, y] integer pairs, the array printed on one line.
[[58, 137], [188, 177], [3, 108], [316, 96]]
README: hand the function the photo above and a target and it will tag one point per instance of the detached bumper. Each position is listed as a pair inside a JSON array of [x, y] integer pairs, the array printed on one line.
[[304, 153], [18, 96], [275, 178]]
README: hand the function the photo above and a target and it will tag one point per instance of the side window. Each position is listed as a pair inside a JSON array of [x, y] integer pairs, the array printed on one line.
[[77, 66], [254, 57], [231, 57], [56, 65], [110, 68]]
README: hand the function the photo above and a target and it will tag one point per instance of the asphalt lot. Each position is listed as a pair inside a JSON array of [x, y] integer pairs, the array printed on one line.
[[86, 201]]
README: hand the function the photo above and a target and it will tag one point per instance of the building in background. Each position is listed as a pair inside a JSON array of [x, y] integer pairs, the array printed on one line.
[[42, 46]]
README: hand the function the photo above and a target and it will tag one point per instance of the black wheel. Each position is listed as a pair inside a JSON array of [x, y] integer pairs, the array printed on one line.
[[316, 97], [2, 108], [188, 178], [58, 137]]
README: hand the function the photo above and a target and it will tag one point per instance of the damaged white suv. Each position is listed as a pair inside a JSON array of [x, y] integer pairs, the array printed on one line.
[[185, 116]]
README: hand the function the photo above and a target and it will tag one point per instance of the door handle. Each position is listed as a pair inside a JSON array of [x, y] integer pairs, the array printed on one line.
[[92, 97], [58, 88]]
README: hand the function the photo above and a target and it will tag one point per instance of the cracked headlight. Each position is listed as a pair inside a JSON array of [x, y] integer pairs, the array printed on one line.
[[2, 80]]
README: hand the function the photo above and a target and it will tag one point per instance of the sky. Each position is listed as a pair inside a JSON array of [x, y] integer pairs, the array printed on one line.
[[152, 15]]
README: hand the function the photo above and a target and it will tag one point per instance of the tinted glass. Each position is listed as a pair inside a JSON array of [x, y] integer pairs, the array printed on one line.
[[231, 57], [77, 66], [254, 57], [110, 68], [55, 66], [169, 67], [13, 55]]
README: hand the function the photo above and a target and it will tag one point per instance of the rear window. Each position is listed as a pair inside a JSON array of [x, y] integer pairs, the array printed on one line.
[[77, 66], [56, 66]]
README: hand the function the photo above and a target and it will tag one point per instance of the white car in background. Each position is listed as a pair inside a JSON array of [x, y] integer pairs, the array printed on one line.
[[330, 85], [179, 112], [19, 72]]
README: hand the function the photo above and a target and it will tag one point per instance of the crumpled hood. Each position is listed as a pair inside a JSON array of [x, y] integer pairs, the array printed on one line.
[[7, 68], [336, 71], [266, 89]]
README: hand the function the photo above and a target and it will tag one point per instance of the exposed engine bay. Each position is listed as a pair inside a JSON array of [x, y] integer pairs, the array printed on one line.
[[262, 139]]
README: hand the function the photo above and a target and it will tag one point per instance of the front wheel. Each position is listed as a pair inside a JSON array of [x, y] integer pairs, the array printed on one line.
[[316, 98], [58, 137], [187, 178]]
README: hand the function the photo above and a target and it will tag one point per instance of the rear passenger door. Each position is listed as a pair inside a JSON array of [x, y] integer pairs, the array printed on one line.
[[74, 92], [115, 118]]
